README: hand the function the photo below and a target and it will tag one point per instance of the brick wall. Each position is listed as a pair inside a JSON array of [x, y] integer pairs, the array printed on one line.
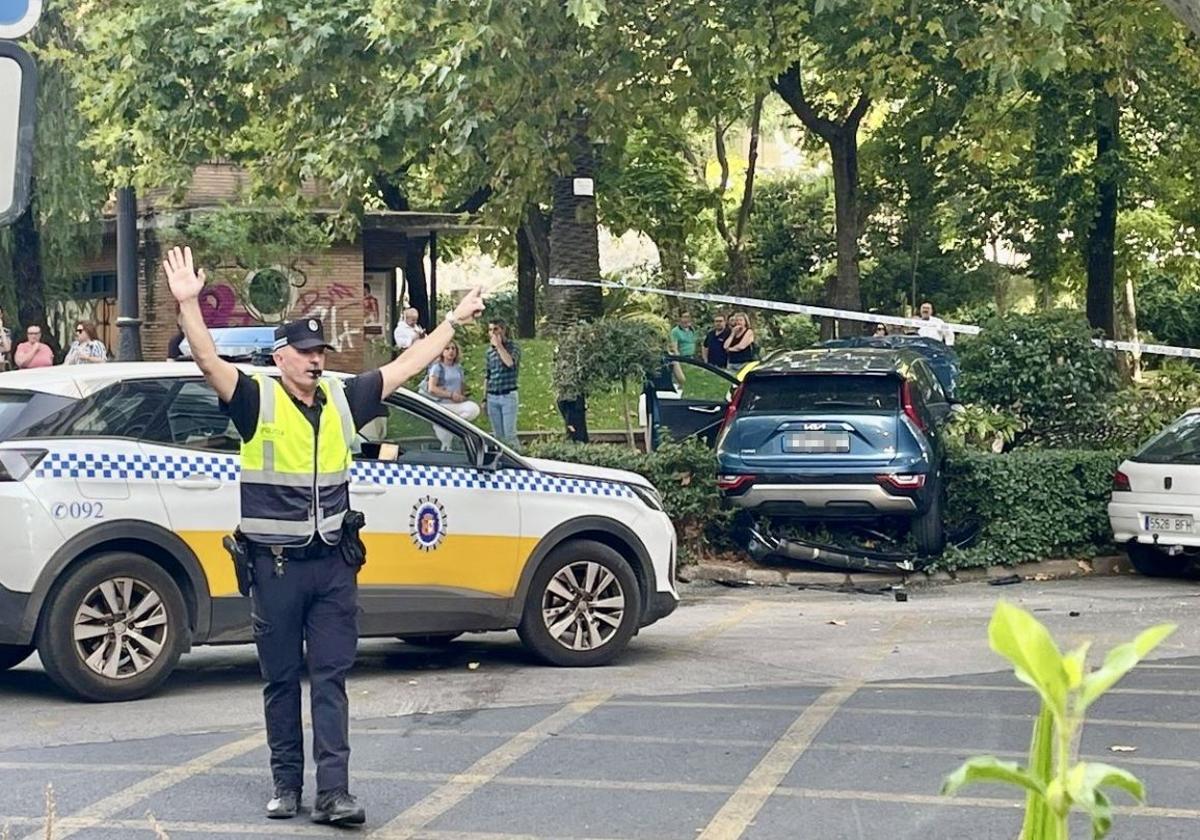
[[326, 286]]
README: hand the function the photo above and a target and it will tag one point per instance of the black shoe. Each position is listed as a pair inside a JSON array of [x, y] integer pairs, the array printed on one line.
[[338, 808], [284, 805]]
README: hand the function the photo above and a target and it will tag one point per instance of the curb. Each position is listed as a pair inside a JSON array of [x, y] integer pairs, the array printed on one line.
[[750, 574]]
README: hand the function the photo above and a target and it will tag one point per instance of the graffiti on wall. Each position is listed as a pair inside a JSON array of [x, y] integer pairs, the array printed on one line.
[[271, 299], [324, 304]]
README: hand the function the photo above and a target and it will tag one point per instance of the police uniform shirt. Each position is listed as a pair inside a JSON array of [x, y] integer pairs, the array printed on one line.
[[363, 393]]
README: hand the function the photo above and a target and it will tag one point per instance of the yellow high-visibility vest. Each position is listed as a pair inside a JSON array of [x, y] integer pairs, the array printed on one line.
[[295, 481]]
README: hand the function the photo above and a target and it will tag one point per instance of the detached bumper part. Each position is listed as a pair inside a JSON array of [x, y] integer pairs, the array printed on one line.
[[761, 547]]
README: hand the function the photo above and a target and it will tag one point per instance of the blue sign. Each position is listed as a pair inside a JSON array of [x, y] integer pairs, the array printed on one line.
[[17, 17]]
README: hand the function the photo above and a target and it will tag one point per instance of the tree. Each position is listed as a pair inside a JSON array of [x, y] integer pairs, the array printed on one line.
[[608, 354], [45, 247], [850, 54]]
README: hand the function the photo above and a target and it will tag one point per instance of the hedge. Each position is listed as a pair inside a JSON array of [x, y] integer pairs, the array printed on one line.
[[1034, 504], [684, 473]]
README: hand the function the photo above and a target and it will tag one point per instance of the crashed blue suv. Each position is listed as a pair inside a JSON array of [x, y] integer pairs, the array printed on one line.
[[839, 433]]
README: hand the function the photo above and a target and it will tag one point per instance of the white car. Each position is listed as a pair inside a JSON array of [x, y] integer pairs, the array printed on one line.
[[1155, 506], [119, 481]]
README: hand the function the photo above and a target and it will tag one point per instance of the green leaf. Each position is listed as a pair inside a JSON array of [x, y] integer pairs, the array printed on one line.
[[1026, 643], [988, 768], [1074, 664], [1085, 783], [1098, 775], [1119, 662]]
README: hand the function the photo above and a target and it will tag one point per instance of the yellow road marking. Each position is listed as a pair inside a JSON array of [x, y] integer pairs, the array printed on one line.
[[739, 811], [113, 804], [462, 785], [717, 628]]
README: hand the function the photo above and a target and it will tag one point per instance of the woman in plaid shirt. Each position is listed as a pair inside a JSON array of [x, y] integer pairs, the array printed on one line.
[[503, 364]]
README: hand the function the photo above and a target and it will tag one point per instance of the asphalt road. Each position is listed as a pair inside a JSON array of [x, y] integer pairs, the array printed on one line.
[[754, 713]]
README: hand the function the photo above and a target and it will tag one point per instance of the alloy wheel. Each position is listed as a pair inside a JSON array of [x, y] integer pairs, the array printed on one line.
[[120, 628], [583, 605]]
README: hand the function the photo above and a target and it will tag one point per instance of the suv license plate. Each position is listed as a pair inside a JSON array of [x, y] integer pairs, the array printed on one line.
[[817, 442], [1164, 523]]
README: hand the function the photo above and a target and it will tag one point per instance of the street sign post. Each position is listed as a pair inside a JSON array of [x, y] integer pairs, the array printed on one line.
[[18, 95], [17, 17]]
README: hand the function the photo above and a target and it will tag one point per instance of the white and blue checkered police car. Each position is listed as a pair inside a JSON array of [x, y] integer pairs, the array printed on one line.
[[119, 481]]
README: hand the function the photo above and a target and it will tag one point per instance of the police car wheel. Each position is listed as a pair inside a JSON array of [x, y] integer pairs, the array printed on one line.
[[113, 629], [13, 655], [582, 607]]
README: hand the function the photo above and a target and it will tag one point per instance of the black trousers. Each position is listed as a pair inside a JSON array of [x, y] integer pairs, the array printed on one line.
[[311, 611]]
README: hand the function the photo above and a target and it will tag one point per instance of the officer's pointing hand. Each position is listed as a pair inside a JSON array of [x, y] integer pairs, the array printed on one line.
[[181, 274], [470, 307]]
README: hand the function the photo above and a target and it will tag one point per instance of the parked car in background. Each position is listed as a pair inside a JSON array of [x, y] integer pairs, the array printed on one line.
[[839, 433], [1155, 504], [240, 344]]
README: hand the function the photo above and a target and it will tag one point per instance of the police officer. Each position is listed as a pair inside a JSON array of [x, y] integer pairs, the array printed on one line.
[[296, 432]]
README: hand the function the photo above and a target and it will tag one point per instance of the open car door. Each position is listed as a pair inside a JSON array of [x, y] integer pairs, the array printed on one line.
[[687, 398]]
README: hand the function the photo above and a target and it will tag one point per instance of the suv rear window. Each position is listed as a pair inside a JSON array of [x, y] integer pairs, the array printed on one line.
[[792, 393], [19, 409], [1179, 443]]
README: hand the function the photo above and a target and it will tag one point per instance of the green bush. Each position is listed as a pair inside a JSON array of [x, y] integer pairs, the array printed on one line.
[[684, 473], [1034, 504], [793, 332], [1043, 368]]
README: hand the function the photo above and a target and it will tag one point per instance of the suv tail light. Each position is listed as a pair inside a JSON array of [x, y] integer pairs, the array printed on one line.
[[910, 408], [734, 484], [733, 405], [1121, 482], [902, 482], [15, 464]]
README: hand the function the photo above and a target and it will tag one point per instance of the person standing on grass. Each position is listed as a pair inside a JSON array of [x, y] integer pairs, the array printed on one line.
[[503, 368], [408, 331], [713, 349], [935, 328], [683, 336], [740, 343], [33, 352], [86, 349], [5, 343]]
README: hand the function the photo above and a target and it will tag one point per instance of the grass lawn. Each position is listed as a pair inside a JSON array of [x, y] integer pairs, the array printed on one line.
[[538, 411]]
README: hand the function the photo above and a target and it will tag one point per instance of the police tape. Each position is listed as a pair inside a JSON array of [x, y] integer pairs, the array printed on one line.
[[778, 306], [853, 315]]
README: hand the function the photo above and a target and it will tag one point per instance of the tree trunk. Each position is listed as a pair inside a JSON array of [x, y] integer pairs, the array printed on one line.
[[672, 260], [27, 276], [1131, 364], [842, 140], [414, 278], [846, 293], [574, 241], [1102, 234], [527, 275]]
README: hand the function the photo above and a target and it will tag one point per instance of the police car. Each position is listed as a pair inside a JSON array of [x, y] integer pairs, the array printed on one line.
[[119, 481]]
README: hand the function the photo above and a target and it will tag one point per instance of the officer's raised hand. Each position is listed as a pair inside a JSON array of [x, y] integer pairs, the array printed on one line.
[[186, 286], [422, 353], [185, 283]]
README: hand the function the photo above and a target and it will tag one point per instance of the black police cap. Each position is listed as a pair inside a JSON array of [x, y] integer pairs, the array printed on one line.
[[303, 334]]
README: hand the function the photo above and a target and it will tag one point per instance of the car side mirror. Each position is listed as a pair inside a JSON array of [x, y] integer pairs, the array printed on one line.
[[488, 455]]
